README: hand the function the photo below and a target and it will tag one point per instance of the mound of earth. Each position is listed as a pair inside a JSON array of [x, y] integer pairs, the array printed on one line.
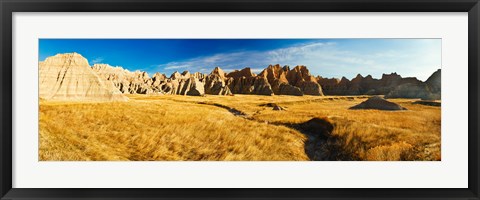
[[378, 103], [70, 77]]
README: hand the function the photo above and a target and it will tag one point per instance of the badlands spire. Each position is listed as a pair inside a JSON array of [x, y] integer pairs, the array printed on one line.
[[69, 77]]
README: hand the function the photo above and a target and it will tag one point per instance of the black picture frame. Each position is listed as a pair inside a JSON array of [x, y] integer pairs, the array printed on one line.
[[7, 7]]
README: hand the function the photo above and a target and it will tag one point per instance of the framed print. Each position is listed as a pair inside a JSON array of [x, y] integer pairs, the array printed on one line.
[[266, 99]]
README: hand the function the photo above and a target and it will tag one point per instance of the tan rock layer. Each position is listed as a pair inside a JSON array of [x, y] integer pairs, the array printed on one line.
[[69, 77], [106, 80]]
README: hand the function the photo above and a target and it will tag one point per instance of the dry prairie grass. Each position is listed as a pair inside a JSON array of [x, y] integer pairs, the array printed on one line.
[[179, 128]]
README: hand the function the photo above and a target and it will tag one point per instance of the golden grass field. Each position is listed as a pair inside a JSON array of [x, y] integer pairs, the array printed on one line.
[[193, 128]]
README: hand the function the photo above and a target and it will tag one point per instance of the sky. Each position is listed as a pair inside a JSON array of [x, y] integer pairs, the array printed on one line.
[[325, 57]]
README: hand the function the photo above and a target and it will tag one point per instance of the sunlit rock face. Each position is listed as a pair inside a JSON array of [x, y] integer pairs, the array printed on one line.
[[140, 83], [301, 78], [70, 77], [246, 82], [275, 80], [127, 82], [215, 83]]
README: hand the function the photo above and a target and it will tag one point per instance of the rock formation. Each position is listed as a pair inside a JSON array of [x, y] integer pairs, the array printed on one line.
[[245, 82], [428, 90], [245, 72], [297, 81], [301, 78], [215, 83], [69, 77], [140, 83], [434, 82], [192, 87], [331, 86], [273, 80], [390, 85], [158, 81], [411, 91], [363, 85], [378, 103], [277, 78], [127, 82]]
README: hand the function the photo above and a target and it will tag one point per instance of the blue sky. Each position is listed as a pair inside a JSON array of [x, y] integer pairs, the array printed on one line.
[[324, 57]]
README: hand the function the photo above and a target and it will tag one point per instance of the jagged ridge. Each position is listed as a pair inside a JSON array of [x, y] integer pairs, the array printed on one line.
[[273, 80]]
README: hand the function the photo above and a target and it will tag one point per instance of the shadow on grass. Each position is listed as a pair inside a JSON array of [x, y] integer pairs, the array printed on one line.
[[229, 109], [320, 145]]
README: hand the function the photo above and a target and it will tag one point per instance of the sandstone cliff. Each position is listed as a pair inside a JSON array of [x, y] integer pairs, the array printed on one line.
[[274, 80], [140, 83], [127, 82], [69, 77], [109, 81], [215, 83]]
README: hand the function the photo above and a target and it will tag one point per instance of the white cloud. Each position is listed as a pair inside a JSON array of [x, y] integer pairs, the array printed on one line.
[[97, 60], [325, 59], [312, 54], [176, 67]]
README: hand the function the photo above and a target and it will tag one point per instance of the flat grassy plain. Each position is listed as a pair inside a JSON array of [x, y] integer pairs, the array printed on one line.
[[240, 127]]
